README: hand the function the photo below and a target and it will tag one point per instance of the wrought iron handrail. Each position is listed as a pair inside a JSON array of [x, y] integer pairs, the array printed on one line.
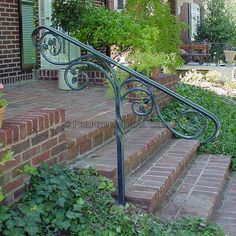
[[49, 41]]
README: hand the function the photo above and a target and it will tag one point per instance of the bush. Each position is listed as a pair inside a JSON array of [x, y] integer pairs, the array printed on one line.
[[217, 27], [60, 201], [158, 35]]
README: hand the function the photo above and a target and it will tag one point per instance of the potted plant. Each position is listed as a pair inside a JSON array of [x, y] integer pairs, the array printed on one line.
[[3, 104]]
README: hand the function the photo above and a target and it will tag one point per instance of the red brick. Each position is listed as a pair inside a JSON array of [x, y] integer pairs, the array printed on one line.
[[18, 122], [57, 130], [57, 116], [30, 153], [62, 137], [16, 171], [24, 122], [42, 157], [5, 178], [85, 146], [9, 134], [40, 138], [108, 134], [33, 120], [98, 140], [18, 193], [49, 144], [62, 115], [62, 157], [14, 184], [16, 132], [20, 147], [3, 138], [52, 161], [58, 149], [72, 151]]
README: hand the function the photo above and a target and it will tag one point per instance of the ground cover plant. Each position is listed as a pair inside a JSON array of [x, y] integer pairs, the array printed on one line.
[[60, 201], [223, 107]]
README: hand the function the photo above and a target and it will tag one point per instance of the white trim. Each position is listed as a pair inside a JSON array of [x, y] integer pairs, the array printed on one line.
[[180, 3]]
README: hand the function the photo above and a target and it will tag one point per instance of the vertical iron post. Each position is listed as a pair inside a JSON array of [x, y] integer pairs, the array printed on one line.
[[119, 132]]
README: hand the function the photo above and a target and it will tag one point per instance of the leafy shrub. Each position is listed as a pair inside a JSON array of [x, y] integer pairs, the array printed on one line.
[[60, 201], [221, 106], [127, 31], [216, 27]]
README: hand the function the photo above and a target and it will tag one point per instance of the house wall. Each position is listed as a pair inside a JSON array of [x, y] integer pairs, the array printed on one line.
[[10, 49]]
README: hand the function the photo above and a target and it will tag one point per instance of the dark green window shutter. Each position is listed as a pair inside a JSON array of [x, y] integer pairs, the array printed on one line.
[[27, 22]]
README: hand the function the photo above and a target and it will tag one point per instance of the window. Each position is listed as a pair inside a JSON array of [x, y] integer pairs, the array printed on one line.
[[28, 57]]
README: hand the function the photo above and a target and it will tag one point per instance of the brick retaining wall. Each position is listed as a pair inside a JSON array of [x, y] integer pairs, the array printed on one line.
[[36, 137]]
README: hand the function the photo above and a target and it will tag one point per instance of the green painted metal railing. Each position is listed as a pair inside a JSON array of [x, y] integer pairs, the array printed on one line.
[[192, 121]]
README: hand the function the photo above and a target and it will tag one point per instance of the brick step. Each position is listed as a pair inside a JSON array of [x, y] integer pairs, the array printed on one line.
[[226, 212], [140, 144], [149, 184], [85, 136], [198, 190]]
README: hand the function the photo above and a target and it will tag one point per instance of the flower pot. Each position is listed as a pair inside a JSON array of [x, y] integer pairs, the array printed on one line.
[[61, 80], [229, 56], [2, 111]]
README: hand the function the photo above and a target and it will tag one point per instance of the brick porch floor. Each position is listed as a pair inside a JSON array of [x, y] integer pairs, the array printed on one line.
[[79, 105], [91, 104]]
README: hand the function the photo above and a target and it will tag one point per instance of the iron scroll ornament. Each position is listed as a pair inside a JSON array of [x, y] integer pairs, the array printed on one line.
[[193, 120]]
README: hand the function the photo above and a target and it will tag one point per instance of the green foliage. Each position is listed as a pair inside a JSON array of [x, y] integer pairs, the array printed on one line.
[[158, 17], [28, 169], [147, 60], [222, 107], [157, 34], [217, 26], [105, 26], [60, 201], [231, 5], [67, 14], [6, 156], [3, 102]]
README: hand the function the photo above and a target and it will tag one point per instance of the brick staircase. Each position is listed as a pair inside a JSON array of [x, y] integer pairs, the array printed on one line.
[[163, 174]]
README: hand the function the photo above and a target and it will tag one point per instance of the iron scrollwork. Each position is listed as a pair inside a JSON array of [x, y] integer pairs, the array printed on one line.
[[191, 122]]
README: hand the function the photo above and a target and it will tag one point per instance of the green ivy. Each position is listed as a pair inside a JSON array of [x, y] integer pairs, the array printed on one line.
[[3, 102], [6, 156], [28, 169], [60, 201]]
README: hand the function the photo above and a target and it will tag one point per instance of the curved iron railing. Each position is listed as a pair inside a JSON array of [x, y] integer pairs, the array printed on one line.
[[193, 121]]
